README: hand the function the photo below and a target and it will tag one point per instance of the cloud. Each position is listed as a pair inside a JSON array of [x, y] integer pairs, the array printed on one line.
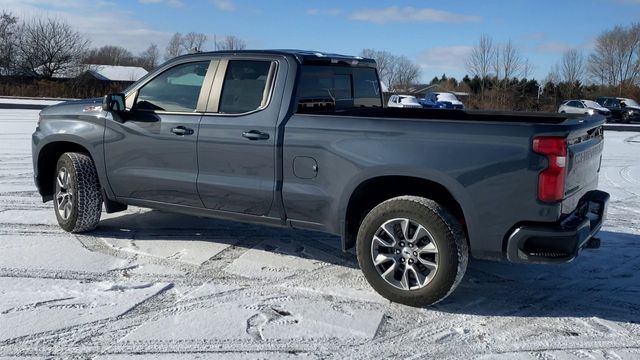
[[330, 12], [446, 59], [410, 14], [535, 36], [552, 47], [94, 20], [173, 3], [224, 5]]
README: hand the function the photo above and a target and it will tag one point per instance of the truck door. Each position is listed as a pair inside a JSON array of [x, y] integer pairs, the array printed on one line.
[[150, 150], [236, 143]]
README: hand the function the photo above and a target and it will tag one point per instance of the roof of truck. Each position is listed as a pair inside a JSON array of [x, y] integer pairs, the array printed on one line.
[[302, 56]]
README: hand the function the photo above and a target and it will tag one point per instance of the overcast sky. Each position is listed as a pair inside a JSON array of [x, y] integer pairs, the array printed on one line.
[[437, 35]]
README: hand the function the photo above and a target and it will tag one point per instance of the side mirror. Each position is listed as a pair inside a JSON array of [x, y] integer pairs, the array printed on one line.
[[113, 102]]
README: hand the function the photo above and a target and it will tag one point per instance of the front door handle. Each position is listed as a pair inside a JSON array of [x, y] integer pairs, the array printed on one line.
[[182, 131], [255, 135]]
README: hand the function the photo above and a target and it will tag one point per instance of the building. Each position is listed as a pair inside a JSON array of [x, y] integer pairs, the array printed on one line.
[[115, 73]]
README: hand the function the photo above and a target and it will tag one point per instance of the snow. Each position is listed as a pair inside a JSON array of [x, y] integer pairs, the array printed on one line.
[[28, 101], [117, 73], [148, 284]]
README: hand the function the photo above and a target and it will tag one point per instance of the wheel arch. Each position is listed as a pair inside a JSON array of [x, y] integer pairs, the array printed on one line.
[[47, 160], [374, 190]]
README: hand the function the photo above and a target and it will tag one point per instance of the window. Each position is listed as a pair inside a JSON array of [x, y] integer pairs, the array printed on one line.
[[245, 86], [176, 89], [331, 88], [366, 90], [612, 103]]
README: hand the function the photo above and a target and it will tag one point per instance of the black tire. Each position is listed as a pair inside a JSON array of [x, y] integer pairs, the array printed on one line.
[[444, 229], [85, 196], [625, 119]]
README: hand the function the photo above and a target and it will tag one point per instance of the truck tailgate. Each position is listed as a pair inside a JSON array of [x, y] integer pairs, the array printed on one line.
[[584, 154]]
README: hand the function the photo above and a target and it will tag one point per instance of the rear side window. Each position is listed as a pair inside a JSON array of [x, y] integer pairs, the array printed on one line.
[[245, 86], [334, 88], [612, 103], [176, 89]]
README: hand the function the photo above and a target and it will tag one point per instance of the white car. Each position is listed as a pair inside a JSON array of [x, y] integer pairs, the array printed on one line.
[[404, 101], [587, 107]]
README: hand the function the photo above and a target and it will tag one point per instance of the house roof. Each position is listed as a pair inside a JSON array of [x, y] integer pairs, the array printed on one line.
[[116, 73]]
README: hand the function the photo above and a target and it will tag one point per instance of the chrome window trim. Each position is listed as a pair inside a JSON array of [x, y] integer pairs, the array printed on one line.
[[213, 106], [133, 92]]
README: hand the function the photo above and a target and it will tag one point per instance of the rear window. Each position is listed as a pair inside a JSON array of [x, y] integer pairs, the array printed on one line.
[[335, 88]]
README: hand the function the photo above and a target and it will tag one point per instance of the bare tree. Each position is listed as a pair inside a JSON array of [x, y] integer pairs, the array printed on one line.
[[150, 58], [511, 61], [230, 43], [193, 42], [8, 36], [616, 57], [572, 66], [174, 48], [110, 55], [481, 59], [405, 73], [50, 47], [385, 62]]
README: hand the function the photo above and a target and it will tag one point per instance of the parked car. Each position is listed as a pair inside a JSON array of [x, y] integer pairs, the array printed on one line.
[[441, 100], [587, 107], [300, 139], [622, 109], [403, 101]]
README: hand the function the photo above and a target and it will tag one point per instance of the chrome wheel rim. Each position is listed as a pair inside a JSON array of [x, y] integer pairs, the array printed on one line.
[[64, 195], [404, 254]]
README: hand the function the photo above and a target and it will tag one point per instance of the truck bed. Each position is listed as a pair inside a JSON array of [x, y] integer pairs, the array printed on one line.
[[462, 115]]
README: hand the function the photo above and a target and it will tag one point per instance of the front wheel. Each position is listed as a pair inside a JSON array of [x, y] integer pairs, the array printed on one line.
[[412, 250], [77, 198]]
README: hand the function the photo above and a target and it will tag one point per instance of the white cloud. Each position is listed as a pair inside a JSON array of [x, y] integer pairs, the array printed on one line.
[[224, 5], [330, 12], [102, 22], [447, 59], [410, 14], [552, 47], [173, 3]]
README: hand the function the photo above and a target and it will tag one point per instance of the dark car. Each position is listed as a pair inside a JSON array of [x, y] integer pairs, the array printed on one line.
[[301, 139], [623, 110], [441, 100]]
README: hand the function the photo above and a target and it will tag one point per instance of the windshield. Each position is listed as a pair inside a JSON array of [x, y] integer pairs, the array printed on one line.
[[631, 102], [591, 104], [447, 97], [408, 100]]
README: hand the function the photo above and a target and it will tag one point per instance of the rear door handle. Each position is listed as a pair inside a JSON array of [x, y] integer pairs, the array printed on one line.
[[255, 135], [181, 130]]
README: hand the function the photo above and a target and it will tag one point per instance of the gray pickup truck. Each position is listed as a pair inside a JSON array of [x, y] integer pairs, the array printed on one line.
[[301, 139]]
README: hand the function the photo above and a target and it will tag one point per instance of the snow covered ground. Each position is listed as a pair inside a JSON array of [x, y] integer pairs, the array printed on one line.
[[150, 284], [28, 101]]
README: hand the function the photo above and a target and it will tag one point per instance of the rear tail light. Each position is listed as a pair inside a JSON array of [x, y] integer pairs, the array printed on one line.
[[551, 179]]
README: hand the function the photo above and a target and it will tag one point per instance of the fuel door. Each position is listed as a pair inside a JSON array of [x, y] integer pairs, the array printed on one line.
[[305, 167]]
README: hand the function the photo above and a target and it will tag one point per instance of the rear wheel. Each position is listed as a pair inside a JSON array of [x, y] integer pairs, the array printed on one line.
[[412, 250], [625, 118], [77, 198]]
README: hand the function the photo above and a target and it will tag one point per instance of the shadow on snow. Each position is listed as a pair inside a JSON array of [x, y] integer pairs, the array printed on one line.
[[600, 283]]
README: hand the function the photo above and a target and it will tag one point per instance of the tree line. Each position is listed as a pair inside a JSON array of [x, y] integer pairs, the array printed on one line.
[[499, 71], [46, 47]]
